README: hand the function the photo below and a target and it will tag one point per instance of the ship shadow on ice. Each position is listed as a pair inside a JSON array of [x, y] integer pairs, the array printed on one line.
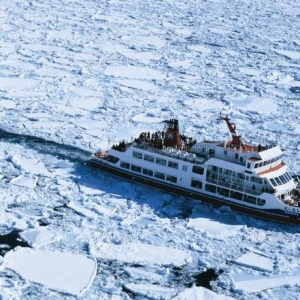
[[169, 205], [164, 204]]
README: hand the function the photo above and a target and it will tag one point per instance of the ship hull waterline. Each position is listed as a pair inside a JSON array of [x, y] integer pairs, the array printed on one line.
[[206, 199]]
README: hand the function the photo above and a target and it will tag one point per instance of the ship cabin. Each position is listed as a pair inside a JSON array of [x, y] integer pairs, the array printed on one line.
[[231, 168], [258, 166]]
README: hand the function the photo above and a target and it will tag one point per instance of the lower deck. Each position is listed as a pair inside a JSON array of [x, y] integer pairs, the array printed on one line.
[[216, 197]]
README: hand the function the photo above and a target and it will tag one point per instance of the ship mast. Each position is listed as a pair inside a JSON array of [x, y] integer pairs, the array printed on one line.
[[236, 139]]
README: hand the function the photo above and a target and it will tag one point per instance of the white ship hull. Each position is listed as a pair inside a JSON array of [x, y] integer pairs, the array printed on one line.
[[257, 184]]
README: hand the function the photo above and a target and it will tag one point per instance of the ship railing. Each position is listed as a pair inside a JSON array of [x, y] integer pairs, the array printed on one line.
[[148, 148], [197, 159]]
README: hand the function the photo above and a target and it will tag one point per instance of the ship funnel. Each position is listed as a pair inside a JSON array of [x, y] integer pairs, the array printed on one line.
[[172, 135]]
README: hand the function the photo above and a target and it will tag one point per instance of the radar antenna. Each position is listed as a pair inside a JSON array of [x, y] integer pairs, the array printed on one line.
[[236, 139]]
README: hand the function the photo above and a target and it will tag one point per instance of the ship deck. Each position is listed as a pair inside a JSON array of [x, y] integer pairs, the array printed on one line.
[[272, 169]]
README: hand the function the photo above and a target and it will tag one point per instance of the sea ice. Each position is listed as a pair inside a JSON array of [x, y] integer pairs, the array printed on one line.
[[256, 283], [39, 237], [140, 253], [200, 293], [216, 224], [151, 291], [66, 272], [256, 261], [25, 181]]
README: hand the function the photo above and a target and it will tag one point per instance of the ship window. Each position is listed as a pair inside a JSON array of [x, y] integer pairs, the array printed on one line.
[[196, 184], [161, 161], [136, 169], [125, 165], [223, 192], [256, 179], [236, 156], [250, 199], [215, 169], [236, 195], [225, 152], [282, 178], [286, 177], [184, 168], [159, 175], [261, 202], [210, 188], [248, 165], [171, 178], [240, 175], [172, 164], [148, 158], [137, 154], [241, 159], [227, 172], [278, 180], [198, 170], [112, 158], [148, 172], [274, 183]]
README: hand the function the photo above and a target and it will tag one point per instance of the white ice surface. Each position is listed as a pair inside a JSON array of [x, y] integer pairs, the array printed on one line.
[[152, 291], [257, 283], [91, 73], [25, 181], [218, 224], [200, 293], [256, 261], [39, 237], [66, 272], [140, 253]]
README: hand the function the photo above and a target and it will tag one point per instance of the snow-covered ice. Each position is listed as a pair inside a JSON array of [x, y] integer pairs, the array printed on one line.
[[39, 237], [217, 224], [256, 261], [256, 283], [141, 253], [196, 293], [66, 272], [77, 76]]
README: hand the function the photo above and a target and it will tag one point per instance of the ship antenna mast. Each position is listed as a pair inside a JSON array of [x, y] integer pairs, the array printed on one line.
[[236, 139]]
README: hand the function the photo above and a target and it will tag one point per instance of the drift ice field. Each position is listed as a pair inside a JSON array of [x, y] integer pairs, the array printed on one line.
[[76, 76]]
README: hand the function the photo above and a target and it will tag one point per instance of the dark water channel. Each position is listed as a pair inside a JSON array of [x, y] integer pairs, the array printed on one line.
[[10, 241]]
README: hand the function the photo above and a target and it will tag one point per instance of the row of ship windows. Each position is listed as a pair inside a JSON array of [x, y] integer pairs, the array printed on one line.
[[282, 179], [197, 184], [164, 162], [268, 162], [234, 194], [158, 175], [214, 171], [148, 172], [157, 160]]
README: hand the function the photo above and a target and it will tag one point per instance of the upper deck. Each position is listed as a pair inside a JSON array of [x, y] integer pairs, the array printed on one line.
[[257, 159]]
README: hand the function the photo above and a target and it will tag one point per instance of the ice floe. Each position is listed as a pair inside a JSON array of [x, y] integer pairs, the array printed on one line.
[[216, 224], [89, 74], [140, 253], [66, 272]]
